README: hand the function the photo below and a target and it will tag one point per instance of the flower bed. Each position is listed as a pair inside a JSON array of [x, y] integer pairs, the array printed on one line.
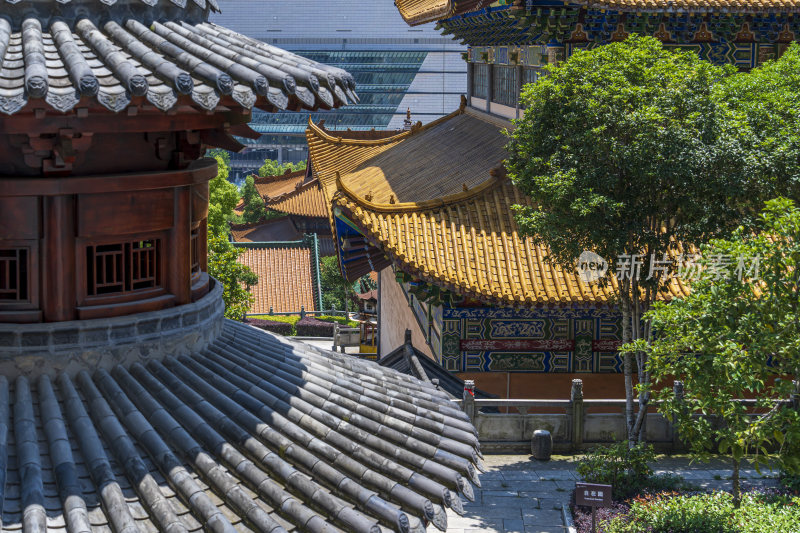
[[761, 511], [280, 327], [311, 327]]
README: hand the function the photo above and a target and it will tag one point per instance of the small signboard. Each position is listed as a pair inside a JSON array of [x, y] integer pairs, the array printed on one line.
[[592, 494]]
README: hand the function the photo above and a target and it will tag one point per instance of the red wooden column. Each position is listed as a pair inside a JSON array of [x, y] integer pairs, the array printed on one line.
[[179, 271], [57, 275]]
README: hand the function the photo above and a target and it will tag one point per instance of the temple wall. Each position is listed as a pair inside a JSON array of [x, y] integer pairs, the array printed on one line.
[[395, 315]]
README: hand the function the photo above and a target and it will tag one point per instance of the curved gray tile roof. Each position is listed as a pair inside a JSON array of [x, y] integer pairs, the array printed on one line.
[[254, 433], [75, 54]]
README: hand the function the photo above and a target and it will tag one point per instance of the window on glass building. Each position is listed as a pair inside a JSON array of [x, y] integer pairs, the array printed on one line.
[[480, 80], [504, 88]]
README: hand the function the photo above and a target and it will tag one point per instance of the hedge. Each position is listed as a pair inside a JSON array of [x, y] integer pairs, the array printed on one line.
[[311, 327], [281, 328]]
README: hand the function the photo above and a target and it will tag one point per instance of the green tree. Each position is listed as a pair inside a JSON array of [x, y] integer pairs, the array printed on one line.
[[336, 290], [254, 209], [236, 278], [737, 335], [223, 196], [628, 149], [273, 168]]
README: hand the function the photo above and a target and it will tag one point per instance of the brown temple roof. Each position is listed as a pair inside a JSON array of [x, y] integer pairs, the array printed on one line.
[[276, 229], [286, 271], [437, 202]]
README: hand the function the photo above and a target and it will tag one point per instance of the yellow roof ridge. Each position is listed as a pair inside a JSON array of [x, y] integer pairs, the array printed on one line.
[[417, 128], [297, 190], [497, 175]]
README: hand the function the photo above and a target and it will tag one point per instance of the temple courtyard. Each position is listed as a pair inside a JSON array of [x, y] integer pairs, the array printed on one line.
[[519, 494]]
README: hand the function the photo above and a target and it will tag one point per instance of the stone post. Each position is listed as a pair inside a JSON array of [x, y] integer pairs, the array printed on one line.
[[577, 414], [677, 389], [796, 395], [468, 403], [302, 311]]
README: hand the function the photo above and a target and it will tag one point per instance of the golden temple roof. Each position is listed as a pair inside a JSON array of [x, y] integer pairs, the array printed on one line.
[[306, 199], [437, 202], [416, 12]]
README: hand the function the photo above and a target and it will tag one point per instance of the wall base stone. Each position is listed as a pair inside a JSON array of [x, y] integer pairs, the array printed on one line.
[[55, 347]]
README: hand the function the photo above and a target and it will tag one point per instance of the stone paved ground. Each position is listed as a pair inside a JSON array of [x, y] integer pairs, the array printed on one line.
[[521, 495]]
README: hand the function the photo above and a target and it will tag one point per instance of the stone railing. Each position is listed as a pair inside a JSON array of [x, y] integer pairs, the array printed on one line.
[[53, 347], [575, 424]]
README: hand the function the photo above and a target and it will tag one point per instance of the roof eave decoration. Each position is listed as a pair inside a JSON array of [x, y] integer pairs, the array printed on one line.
[[80, 53], [416, 12]]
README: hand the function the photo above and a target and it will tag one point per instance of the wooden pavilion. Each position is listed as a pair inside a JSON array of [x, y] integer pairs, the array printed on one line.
[[127, 401]]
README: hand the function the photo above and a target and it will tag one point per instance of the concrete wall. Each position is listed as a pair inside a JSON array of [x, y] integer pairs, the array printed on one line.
[[552, 385], [512, 432], [395, 316]]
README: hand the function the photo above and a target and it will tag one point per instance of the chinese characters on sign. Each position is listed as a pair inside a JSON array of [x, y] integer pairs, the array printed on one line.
[[688, 267]]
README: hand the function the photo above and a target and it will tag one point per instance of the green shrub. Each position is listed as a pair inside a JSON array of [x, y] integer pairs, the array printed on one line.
[[340, 319], [289, 319], [624, 468], [790, 481], [766, 512]]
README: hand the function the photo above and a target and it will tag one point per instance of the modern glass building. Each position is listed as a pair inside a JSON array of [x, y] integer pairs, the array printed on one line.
[[396, 68]]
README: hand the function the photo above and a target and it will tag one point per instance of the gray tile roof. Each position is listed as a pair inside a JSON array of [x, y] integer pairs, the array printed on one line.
[[254, 433], [122, 56]]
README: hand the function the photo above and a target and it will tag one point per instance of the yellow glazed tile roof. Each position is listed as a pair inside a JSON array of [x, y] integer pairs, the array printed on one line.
[[464, 239], [305, 200], [416, 12]]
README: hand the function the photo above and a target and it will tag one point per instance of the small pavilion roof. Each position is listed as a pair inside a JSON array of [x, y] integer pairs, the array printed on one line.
[[116, 54], [436, 201]]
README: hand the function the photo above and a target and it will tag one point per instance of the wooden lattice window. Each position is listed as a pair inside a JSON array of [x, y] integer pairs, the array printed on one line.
[[123, 267], [480, 80], [195, 251], [504, 88], [14, 275]]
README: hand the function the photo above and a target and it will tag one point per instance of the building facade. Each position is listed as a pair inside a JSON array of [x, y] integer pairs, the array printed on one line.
[[396, 68]]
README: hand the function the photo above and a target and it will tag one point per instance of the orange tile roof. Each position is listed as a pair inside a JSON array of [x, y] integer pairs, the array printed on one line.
[[286, 276], [306, 199], [437, 202]]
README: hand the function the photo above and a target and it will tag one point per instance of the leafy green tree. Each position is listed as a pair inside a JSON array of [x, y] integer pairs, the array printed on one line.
[[737, 335], [629, 149], [236, 278], [273, 168], [767, 104], [223, 196], [336, 290], [254, 209]]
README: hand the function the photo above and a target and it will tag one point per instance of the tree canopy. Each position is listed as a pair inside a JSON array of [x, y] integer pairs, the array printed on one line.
[[254, 209], [629, 149], [223, 196], [273, 168], [235, 277], [736, 335]]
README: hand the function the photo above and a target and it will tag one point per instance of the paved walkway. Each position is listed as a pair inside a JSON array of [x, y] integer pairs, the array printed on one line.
[[521, 495]]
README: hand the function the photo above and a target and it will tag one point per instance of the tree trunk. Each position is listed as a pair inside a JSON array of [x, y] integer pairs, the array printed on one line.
[[627, 358], [737, 494]]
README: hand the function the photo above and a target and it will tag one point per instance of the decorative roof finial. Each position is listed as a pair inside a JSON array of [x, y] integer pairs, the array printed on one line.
[[407, 122]]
